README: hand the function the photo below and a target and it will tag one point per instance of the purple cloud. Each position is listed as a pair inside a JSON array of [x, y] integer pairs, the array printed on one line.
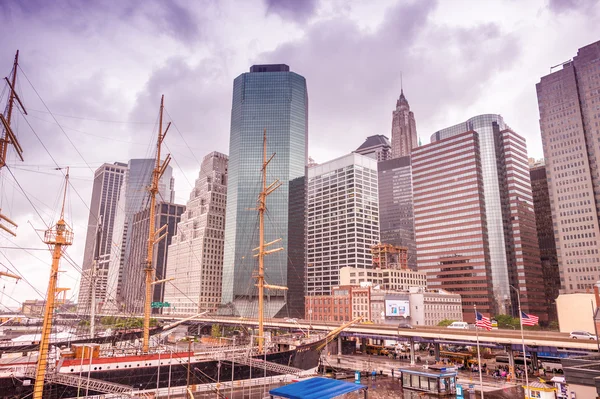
[[293, 10]]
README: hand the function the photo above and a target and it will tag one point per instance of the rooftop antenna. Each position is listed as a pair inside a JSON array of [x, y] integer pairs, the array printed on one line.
[[401, 85]]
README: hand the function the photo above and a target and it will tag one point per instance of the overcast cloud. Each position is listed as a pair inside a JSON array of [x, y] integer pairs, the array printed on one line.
[[101, 67]]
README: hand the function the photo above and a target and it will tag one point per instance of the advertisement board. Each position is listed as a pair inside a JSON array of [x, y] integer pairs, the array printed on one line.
[[397, 308]]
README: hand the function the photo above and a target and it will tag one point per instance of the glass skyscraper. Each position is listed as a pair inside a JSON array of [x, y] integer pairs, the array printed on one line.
[[273, 98], [509, 214]]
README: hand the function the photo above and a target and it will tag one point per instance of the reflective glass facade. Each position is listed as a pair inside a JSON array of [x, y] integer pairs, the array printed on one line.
[[484, 125], [509, 214], [396, 205], [273, 98]]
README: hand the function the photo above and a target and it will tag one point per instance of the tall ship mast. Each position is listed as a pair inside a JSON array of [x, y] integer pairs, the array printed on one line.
[[60, 235], [260, 276], [8, 137], [154, 236]]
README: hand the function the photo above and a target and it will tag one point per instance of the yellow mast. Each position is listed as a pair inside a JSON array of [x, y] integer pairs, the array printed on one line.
[[60, 235], [158, 171], [260, 277]]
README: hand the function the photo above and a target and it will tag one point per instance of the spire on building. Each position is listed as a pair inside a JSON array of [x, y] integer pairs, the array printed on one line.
[[404, 129]]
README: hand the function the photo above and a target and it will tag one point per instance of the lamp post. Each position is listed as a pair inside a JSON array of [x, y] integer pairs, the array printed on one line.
[[522, 340]]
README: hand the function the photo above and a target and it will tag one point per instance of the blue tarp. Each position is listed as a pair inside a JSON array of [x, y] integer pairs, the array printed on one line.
[[316, 388]]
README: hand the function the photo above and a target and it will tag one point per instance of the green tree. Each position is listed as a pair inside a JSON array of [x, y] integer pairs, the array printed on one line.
[[445, 322], [215, 331]]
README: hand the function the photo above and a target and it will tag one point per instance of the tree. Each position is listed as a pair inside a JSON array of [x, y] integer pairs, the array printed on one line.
[[445, 322], [215, 331]]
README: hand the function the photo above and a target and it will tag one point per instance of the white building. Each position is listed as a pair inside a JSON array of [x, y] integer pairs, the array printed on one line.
[[133, 198], [196, 253], [429, 307], [108, 179], [343, 219], [386, 279]]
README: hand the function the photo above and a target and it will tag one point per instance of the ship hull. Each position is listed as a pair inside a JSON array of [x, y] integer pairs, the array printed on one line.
[[304, 357]]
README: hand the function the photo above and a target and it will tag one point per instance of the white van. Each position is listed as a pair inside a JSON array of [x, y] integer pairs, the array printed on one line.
[[463, 325]]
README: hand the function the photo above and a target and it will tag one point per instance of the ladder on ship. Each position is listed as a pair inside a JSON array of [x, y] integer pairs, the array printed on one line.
[[271, 366], [85, 383]]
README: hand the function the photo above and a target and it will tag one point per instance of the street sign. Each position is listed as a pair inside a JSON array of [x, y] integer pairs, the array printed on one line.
[[160, 305]]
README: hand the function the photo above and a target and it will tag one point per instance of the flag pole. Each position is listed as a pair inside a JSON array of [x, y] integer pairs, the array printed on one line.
[[523, 343], [478, 354]]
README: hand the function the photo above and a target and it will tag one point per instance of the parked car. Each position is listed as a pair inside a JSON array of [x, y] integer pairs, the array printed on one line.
[[582, 335], [463, 325]]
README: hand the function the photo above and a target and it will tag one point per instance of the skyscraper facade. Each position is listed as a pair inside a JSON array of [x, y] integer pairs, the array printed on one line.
[[545, 233], [134, 291], [108, 179], [196, 251], [377, 147], [273, 98], [343, 219], [404, 128], [396, 205], [133, 198], [569, 105], [450, 220], [509, 214]]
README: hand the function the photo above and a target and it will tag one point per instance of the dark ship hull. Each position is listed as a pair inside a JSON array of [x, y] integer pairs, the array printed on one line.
[[303, 357]]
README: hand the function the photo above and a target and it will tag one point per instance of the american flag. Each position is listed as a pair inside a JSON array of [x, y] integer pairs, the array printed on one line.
[[529, 319], [483, 321]]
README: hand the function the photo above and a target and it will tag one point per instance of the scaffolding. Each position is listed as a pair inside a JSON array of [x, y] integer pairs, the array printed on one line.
[[388, 256]]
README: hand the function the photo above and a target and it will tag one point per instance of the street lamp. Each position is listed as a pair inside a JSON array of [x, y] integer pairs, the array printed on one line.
[[522, 338]]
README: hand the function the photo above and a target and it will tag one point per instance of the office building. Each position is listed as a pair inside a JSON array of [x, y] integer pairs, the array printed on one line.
[[134, 291], [569, 105], [396, 205], [268, 97], [377, 147], [106, 188], [545, 234], [386, 279], [474, 217], [429, 307], [133, 198], [343, 220], [418, 306], [196, 252], [404, 128]]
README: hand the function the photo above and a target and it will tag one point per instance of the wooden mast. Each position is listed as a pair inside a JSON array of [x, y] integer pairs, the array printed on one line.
[[158, 171], [260, 277], [60, 235], [8, 137]]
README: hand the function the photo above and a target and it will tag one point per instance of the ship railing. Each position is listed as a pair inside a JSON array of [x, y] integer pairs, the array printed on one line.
[[84, 382]]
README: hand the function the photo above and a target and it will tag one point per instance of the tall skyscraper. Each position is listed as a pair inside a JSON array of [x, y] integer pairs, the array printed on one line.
[[196, 252], [377, 147], [404, 128], [569, 101], [507, 205], [133, 198], [343, 219], [545, 233], [396, 218], [134, 290], [273, 98], [450, 220], [108, 179]]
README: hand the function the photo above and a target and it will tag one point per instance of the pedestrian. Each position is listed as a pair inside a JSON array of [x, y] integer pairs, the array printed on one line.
[[392, 373]]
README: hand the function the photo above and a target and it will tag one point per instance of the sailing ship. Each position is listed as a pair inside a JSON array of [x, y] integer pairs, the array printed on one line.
[[84, 367]]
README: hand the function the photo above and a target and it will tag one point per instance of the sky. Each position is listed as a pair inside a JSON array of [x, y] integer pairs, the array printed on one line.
[[92, 73]]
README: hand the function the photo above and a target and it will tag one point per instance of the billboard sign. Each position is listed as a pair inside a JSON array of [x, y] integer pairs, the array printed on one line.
[[397, 308]]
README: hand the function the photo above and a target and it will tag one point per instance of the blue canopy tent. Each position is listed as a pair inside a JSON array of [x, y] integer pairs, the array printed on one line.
[[317, 388]]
